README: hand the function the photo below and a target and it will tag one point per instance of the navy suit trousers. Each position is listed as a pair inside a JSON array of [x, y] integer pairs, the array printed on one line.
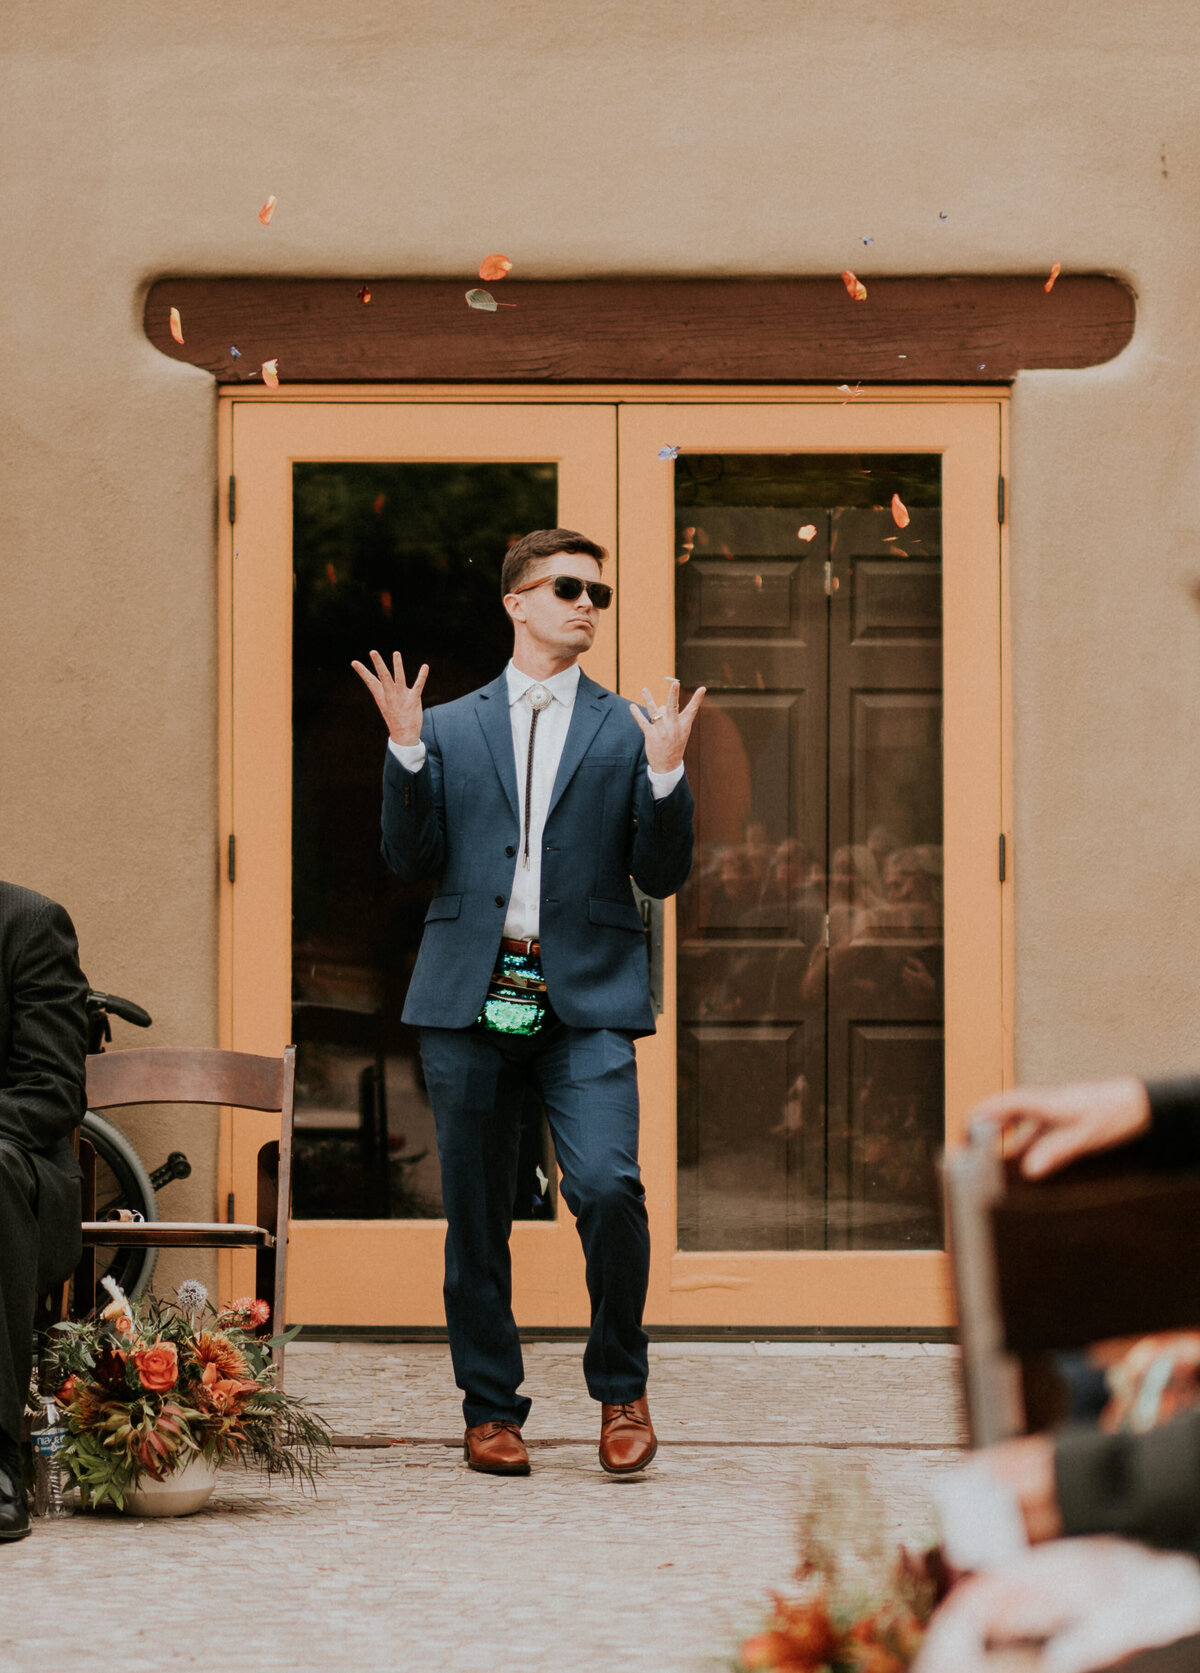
[[587, 1080]]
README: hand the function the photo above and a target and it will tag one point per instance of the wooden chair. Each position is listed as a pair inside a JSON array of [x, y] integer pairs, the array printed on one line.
[[157, 1076], [1107, 1248]]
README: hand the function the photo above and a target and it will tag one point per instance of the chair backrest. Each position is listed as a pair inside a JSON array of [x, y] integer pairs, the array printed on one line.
[[1103, 1249], [165, 1075]]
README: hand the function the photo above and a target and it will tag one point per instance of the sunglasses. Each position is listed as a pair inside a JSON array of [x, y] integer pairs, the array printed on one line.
[[570, 587]]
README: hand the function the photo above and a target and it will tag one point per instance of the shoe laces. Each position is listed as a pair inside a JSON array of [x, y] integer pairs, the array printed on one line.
[[498, 1426], [627, 1410]]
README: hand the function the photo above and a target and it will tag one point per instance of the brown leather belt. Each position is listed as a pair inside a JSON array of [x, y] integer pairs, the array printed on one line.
[[531, 949]]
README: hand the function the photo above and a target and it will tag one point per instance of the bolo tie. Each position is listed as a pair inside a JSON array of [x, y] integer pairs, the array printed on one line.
[[539, 699]]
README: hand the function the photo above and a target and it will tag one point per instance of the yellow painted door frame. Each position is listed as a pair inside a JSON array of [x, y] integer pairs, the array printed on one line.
[[381, 1272]]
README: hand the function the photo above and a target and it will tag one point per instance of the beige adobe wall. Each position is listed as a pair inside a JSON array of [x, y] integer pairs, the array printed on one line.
[[591, 139]]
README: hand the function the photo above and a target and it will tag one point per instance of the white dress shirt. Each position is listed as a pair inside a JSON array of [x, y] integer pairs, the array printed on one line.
[[524, 901]]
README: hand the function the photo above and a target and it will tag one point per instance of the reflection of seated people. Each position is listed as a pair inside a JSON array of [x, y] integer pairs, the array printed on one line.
[[911, 903], [1110, 1594], [854, 887]]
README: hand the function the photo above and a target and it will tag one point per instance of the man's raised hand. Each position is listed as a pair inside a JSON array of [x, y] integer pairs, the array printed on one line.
[[667, 731], [398, 702]]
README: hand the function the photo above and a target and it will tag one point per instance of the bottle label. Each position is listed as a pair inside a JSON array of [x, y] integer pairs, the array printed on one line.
[[48, 1443]]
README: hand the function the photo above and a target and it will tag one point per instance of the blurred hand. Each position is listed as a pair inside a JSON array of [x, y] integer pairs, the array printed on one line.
[[1026, 1467], [398, 703], [1090, 1602], [667, 731], [1049, 1126]]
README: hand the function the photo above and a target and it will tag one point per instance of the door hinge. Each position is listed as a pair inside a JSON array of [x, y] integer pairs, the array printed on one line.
[[827, 929], [231, 858], [233, 499], [229, 1208], [1001, 506], [1003, 857]]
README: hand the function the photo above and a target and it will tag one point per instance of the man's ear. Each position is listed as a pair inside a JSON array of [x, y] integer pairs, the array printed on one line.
[[514, 604]]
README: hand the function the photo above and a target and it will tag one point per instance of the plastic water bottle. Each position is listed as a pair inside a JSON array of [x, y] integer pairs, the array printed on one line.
[[50, 1482]]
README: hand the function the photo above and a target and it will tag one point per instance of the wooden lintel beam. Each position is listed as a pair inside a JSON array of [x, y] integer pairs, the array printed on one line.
[[909, 330]]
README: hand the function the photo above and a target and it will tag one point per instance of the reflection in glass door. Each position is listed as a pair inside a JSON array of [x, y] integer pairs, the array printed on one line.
[[810, 936]]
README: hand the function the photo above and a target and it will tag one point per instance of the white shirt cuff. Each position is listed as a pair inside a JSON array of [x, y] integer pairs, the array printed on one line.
[[410, 756], [661, 784]]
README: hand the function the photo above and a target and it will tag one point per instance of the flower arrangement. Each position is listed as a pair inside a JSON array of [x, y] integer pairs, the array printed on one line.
[[862, 1605], [149, 1386]]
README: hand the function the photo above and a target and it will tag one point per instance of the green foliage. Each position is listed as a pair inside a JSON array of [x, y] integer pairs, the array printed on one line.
[[152, 1386]]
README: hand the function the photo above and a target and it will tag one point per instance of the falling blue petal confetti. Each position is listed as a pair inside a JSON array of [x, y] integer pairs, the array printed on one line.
[[942, 215], [235, 354], [868, 241], [669, 452]]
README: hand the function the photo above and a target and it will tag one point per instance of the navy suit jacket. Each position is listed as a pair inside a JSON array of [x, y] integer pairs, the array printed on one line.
[[458, 820]]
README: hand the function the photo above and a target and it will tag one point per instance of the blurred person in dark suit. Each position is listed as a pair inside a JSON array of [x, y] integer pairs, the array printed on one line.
[[43, 1045]]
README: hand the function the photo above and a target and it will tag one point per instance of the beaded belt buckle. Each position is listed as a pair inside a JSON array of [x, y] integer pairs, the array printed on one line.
[[516, 1000]]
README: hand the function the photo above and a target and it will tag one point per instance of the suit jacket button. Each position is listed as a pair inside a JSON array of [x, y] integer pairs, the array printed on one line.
[[509, 851], [499, 900]]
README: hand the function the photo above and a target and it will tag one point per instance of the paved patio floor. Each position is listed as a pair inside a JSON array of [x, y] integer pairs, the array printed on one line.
[[407, 1560]]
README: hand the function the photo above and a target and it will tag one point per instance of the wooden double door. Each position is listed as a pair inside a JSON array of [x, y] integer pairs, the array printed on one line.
[[832, 980]]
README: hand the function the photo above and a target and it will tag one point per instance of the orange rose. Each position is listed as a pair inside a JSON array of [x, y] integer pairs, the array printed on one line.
[[157, 1366]]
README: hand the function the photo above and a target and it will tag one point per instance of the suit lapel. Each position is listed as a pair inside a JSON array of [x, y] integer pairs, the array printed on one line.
[[592, 707], [491, 707]]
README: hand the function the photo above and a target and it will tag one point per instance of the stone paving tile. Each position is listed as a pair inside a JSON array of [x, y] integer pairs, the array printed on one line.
[[406, 1560]]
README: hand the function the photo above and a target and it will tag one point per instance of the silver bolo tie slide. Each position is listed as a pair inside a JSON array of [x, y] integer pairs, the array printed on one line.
[[539, 699]]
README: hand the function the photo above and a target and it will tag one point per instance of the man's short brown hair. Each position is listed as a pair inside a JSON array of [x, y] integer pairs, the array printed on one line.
[[543, 543]]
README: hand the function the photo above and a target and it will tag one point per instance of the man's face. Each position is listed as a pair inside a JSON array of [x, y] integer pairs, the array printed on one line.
[[564, 627]]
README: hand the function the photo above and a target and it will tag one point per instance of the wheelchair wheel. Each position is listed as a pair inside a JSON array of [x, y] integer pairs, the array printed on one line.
[[121, 1182]]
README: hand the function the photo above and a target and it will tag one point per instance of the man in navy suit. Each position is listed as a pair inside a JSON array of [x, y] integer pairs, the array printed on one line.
[[533, 801]]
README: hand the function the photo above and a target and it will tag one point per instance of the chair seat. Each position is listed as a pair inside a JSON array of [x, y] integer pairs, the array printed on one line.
[[174, 1234]]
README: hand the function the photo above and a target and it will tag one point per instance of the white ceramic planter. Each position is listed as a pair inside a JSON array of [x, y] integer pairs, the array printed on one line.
[[181, 1494]]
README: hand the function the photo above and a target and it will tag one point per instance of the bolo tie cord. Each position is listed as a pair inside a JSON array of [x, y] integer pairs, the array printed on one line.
[[529, 782]]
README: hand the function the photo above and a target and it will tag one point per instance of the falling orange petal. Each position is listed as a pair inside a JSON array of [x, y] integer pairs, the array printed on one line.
[[270, 373], [267, 210], [364, 293], [855, 288], [900, 512], [850, 394], [1054, 272], [494, 267], [807, 532], [176, 325]]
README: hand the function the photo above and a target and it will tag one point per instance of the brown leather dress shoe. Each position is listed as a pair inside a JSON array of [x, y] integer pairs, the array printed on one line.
[[496, 1448], [627, 1438]]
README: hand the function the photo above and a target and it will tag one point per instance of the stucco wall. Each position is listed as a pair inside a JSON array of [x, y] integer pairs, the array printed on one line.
[[768, 137]]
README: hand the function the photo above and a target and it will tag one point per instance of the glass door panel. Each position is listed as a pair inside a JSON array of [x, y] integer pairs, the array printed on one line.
[[404, 556], [809, 936]]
